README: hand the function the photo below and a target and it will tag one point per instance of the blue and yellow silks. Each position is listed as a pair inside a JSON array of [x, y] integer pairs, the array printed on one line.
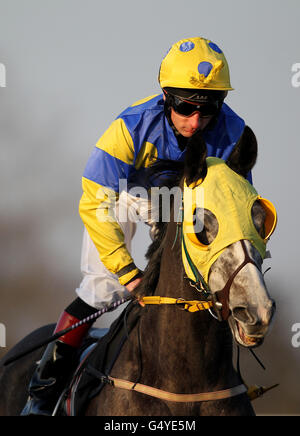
[[140, 135]]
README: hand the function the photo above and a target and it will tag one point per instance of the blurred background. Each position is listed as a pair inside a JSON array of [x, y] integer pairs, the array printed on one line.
[[71, 68]]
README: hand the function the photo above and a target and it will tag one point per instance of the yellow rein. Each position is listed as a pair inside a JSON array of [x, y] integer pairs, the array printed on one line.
[[189, 305]]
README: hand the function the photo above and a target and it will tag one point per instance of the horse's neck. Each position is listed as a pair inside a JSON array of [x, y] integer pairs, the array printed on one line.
[[187, 344]]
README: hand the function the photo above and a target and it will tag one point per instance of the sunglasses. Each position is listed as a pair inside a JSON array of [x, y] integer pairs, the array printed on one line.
[[187, 108]]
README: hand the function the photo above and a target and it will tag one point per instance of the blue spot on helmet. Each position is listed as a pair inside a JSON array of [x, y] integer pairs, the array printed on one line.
[[205, 68], [187, 46], [215, 47]]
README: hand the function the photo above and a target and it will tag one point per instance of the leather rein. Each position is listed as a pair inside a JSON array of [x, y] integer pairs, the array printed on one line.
[[219, 301], [177, 398]]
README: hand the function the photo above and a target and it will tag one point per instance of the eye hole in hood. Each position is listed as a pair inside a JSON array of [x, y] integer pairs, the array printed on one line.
[[205, 226]]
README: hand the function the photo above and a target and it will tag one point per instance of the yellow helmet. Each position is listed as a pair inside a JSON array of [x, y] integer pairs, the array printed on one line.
[[195, 63]]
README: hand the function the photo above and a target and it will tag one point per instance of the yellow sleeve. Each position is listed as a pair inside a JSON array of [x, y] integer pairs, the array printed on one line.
[[110, 161]]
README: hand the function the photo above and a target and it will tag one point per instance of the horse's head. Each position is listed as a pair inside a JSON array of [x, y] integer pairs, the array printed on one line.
[[225, 230]]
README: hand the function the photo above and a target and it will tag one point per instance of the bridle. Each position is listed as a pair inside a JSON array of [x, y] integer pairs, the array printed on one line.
[[219, 299], [219, 302]]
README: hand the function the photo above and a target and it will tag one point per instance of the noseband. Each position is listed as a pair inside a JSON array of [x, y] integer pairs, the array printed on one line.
[[219, 299]]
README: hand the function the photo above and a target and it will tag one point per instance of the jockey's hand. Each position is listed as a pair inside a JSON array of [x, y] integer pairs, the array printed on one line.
[[134, 284]]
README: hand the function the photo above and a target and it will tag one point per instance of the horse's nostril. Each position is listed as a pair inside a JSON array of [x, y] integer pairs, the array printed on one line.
[[241, 314]]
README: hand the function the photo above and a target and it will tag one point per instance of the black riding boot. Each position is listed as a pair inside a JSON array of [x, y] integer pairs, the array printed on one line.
[[58, 362], [49, 379]]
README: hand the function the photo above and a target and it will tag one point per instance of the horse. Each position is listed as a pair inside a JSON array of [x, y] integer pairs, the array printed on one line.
[[178, 360]]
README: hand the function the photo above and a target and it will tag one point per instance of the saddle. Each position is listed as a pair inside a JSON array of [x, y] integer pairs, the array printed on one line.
[[96, 359]]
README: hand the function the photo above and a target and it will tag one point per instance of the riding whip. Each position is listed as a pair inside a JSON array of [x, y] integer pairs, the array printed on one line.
[[57, 335]]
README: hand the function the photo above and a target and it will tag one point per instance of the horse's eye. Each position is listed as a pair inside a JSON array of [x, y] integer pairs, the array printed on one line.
[[206, 226]]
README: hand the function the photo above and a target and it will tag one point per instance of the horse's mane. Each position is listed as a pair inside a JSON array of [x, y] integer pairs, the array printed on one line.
[[171, 173]]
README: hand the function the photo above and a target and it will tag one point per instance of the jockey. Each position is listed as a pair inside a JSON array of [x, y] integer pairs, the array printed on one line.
[[194, 77]]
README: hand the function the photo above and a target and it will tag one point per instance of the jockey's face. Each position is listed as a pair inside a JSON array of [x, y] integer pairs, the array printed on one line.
[[187, 126]]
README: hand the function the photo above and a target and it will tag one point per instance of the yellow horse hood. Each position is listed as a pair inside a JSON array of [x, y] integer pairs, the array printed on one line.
[[230, 198]]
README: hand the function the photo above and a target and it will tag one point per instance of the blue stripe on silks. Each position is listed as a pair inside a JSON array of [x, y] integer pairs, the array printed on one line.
[[221, 141], [106, 170]]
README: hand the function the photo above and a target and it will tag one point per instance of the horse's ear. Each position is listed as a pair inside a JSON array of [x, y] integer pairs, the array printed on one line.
[[195, 167], [244, 154]]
